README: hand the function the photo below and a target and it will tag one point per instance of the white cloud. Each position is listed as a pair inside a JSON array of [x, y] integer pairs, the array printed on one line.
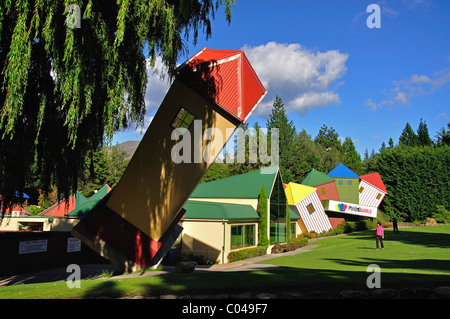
[[157, 87], [419, 79], [400, 98], [303, 78], [404, 91], [311, 100]]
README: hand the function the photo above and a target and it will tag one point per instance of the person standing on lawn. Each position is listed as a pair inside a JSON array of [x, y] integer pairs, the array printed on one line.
[[379, 235], [395, 224]]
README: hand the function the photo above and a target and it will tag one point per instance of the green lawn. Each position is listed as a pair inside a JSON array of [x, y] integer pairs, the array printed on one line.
[[417, 256]]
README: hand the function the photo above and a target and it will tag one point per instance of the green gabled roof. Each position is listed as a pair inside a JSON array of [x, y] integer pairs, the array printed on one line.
[[219, 211], [293, 214], [316, 178], [80, 199], [246, 185], [89, 204]]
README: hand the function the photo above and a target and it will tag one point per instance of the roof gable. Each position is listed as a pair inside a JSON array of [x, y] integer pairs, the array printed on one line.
[[316, 178], [89, 204], [295, 193], [220, 211], [342, 171], [375, 180], [227, 77], [246, 185]]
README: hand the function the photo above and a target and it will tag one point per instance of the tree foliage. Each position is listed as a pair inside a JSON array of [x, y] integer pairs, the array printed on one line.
[[416, 179], [65, 90], [286, 131], [263, 218]]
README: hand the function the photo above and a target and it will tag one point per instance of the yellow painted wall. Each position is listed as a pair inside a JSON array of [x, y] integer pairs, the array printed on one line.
[[153, 188], [58, 224], [207, 238]]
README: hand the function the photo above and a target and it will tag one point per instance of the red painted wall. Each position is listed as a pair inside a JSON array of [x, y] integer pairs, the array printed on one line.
[[330, 191]]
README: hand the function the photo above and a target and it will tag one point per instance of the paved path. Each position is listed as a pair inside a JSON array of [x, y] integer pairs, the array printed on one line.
[[95, 271]]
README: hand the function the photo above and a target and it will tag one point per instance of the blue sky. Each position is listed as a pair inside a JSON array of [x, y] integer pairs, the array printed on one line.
[[329, 68]]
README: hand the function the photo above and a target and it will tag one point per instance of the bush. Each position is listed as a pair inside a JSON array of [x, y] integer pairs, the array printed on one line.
[[350, 227], [365, 224], [296, 243], [246, 253], [333, 232], [441, 215], [308, 235]]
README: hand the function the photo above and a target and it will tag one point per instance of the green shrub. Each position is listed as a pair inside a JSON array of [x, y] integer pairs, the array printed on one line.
[[441, 215], [365, 224], [349, 227], [294, 244], [246, 253], [333, 232]]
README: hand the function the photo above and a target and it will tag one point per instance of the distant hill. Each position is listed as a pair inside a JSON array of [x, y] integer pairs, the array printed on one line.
[[129, 147]]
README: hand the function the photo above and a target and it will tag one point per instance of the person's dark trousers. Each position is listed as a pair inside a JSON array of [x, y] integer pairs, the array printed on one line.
[[395, 229], [380, 239]]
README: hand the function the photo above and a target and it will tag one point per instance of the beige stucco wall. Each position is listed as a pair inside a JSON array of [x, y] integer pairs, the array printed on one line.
[[207, 238], [58, 224]]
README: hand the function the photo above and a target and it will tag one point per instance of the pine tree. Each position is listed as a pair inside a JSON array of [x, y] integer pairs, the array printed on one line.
[[408, 137], [351, 157], [422, 134], [391, 143], [286, 130], [328, 137]]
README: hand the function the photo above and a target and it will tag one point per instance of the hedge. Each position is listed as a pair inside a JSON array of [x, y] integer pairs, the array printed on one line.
[[246, 253]]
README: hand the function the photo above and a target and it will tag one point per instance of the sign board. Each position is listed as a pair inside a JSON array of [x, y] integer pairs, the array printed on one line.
[[32, 246], [73, 244], [350, 208]]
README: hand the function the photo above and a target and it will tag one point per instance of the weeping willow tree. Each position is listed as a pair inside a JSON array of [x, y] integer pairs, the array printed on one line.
[[74, 72]]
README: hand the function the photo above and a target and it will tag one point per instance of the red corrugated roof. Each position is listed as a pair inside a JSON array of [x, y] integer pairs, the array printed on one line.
[[238, 89], [61, 209], [375, 180]]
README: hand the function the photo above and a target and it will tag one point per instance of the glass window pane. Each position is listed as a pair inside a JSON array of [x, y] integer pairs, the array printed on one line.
[[236, 237]]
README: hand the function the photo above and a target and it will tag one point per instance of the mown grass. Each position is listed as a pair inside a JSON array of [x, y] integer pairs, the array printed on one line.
[[416, 256]]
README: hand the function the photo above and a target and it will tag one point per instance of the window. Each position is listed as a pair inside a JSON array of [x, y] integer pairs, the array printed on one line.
[[349, 182], [249, 235], [361, 189], [341, 182], [236, 237], [242, 236], [183, 119], [278, 206], [323, 190], [379, 196], [310, 208]]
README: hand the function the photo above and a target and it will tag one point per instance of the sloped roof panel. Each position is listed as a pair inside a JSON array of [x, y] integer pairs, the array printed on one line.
[[342, 171], [375, 180], [236, 87], [295, 193], [218, 211], [246, 185], [315, 177]]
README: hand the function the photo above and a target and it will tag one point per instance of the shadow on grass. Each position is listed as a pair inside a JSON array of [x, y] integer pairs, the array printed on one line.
[[108, 288], [302, 279], [410, 236], [274, 281]]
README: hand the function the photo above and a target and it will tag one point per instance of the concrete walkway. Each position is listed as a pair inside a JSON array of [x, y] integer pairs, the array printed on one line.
[[98, 271]]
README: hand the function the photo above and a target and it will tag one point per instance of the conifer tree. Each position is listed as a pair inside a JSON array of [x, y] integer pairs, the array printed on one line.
[[278, 119], [422, 134]]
